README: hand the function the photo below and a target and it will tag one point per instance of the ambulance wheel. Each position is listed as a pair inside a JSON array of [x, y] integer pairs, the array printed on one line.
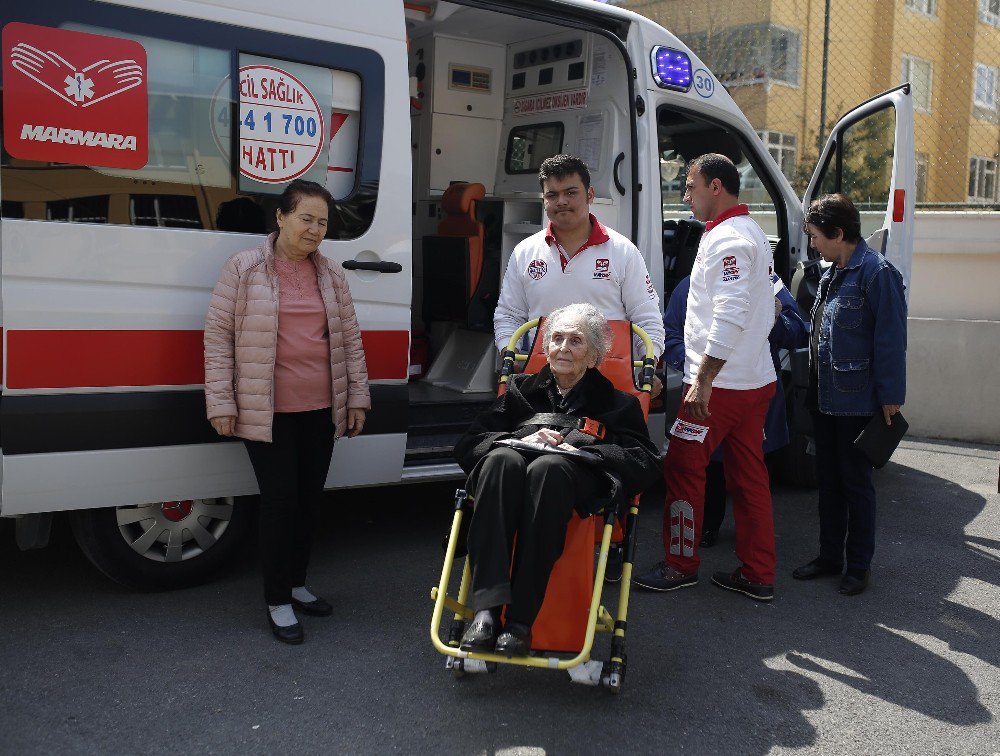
[[164, 545]]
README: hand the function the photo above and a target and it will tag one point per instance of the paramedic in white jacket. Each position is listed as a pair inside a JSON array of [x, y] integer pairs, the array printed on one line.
[[729, 380], [575, 259]]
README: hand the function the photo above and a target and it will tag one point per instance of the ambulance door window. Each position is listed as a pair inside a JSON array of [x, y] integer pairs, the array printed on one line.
[[862, 168]]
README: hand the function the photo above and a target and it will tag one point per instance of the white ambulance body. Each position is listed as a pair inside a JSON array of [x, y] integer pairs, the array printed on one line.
[[131, 131]]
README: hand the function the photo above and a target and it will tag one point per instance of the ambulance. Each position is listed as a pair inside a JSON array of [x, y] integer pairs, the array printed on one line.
[[145, 141]]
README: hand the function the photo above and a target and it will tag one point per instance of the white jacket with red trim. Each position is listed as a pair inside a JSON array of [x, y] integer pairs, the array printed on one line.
[[612, 276], [730, 306]]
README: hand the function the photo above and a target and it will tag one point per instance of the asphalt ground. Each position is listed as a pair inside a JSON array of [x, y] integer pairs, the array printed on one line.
[[910, 666]]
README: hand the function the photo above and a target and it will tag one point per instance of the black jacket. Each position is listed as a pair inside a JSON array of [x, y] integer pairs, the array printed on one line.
[[626, 449]]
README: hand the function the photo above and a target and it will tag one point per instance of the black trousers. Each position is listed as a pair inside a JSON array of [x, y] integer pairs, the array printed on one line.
[[291, 472], [534, 500], [846, 491]]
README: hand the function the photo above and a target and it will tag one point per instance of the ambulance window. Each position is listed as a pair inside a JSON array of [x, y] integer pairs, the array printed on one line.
[[528, 146], [682, 138], [186, 131]]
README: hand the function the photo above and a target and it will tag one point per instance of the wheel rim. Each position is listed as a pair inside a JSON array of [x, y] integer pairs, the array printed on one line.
[[174, 531]]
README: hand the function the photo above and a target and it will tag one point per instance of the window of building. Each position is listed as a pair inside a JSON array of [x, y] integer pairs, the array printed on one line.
[[985, 94], [920, 176], [750, 54], [78, 210], [783, 148], [920, 74], [989, 11], [927, 7], [982, 179]]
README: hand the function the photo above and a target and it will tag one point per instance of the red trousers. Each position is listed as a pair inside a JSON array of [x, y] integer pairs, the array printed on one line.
[[737, 423]]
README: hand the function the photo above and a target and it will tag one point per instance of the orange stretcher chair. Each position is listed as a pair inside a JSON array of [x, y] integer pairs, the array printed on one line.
[[563, 633]]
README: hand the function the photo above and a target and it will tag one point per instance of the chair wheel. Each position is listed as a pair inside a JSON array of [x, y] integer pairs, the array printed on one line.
[[455, 666]]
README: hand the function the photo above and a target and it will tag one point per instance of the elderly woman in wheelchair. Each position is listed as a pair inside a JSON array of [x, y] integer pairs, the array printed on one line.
[[558, 440]]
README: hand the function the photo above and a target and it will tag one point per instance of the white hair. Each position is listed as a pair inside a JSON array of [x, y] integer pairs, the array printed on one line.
[[589, 319]]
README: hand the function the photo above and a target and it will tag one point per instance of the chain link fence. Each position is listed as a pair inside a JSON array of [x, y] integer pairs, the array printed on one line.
[[796, 66]]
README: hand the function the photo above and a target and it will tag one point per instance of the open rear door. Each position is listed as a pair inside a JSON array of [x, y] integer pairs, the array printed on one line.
[[869, 157]]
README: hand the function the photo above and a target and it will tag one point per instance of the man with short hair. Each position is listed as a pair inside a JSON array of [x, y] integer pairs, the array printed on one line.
[[575, 259], [729, 379]]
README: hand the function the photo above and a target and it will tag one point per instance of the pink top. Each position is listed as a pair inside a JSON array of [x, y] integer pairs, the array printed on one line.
[[302, 376]]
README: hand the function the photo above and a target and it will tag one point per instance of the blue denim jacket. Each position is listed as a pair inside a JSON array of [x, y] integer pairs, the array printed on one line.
[[862, 336]]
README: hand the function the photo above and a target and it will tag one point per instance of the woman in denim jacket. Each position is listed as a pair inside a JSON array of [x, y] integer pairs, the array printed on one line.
[[857, 368]]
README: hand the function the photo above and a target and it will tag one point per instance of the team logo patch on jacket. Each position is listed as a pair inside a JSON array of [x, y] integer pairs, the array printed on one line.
[[602, 268], [537, 269], [730, 271]]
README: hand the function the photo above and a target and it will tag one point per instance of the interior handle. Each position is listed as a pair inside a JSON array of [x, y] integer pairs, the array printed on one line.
[[618, 184]]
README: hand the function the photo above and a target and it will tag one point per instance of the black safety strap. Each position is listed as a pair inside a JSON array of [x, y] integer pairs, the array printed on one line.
[[583, 424]]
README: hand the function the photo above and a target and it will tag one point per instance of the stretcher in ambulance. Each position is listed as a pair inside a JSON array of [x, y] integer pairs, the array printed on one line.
[[145, 142]]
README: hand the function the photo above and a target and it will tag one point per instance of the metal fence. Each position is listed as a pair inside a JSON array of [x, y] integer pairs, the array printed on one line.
[[795, 66]]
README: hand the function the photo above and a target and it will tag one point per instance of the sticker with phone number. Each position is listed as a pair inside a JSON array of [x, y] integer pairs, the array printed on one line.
[[281, 125]]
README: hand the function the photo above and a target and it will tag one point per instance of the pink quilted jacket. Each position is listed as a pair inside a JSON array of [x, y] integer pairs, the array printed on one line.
[[241, 334]]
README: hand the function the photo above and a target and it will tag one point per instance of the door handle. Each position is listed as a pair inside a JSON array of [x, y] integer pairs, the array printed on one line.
[[379, 267], [618, 184]]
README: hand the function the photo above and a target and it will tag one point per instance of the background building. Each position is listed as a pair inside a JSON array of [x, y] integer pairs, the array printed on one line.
[[795, 66]]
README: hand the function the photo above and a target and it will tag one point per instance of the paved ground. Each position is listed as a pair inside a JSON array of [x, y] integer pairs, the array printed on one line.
[[911, 666]]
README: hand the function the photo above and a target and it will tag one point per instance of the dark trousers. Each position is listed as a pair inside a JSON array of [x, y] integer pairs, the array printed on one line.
[[846, 492], [534, 501], [715, 496], [291, 472]]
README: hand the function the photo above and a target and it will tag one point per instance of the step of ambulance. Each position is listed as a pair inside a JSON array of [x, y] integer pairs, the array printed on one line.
[[438, 417]]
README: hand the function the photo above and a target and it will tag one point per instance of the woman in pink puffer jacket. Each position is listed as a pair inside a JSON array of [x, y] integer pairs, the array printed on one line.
[[285, 371]]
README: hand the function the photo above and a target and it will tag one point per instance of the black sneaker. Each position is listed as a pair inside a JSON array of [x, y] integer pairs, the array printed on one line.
[[734, 581], [613, 567], [663, 577]]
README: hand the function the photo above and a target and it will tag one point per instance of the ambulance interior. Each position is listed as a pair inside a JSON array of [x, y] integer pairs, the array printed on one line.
[[481, 124]]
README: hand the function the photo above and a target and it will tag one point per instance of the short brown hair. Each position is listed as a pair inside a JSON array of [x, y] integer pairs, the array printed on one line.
[[833, 211]]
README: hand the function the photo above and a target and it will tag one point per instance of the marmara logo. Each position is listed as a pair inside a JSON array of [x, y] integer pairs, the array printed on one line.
[[81, 87]]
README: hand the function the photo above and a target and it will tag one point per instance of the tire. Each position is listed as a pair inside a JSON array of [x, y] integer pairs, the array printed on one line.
[[165, 545]]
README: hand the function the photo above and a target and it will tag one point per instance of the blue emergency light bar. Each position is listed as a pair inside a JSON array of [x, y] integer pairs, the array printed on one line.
[[671, 69]]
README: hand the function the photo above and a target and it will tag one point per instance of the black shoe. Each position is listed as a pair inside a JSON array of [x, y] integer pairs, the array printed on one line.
[[291, 634], [317, 607], [818, 567], [480, 636], [663, 577], [515, 640], [708, 538], [854, 582], [734, 581], [615, 563]]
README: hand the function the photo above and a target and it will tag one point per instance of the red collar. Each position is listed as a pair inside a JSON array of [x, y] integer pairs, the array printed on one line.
[[598, 235], [732, 212]]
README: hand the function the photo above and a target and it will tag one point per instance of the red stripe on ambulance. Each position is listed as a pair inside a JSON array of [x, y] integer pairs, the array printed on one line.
[[68, 359]]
